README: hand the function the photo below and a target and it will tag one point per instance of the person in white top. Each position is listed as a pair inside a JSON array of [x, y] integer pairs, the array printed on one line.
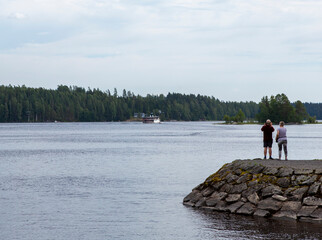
[[281, 139]]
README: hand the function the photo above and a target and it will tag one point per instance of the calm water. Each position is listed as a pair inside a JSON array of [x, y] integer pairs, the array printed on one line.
[[127, 180]]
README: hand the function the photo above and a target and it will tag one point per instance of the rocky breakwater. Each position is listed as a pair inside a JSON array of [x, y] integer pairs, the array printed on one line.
[[265, 188]]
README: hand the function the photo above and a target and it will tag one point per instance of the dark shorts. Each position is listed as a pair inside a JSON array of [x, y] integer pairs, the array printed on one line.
[[268, 143]]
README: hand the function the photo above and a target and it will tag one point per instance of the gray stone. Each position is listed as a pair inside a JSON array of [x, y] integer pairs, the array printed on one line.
[[211, 202], [247, 209], [235, 206], [318, 171], [190, 204], [284, 182], [218, 185], [256, 186], [271, 190], [262, 213], [312, 201], [221, 206], [291, 206], [302, 171], [305, 180], [231, 178], [243, 199], [311, 180], [239, 188], [244, 178], [201, 202], [208, 209], [270, 204], [317, 213], [193, 197], [215, 198], [306, 211], [270, 171], [257, 169], [314, 188], [285, 215], [226, 188], [233, 198], [219, 195], [248, 192], [285, 172], [207, 191], [238, 171], [296, 194], [253, 198], [279, 198]]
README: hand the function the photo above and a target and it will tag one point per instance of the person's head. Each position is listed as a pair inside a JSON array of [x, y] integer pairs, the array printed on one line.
[[268, 122], [282, 123]]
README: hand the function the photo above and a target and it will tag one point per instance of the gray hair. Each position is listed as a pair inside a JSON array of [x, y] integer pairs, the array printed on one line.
[[282, 123]]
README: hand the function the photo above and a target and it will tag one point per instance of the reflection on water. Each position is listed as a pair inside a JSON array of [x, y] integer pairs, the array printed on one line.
[[128, 180], [220, 225]]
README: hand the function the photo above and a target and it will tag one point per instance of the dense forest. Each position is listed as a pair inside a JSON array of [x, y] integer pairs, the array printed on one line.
[[23, 104], [70, 104]]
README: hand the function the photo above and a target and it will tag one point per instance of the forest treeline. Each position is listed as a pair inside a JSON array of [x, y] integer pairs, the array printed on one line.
[[70, 104]]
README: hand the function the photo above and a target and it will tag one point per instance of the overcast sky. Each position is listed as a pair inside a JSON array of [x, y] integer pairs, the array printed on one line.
[[234, 50]]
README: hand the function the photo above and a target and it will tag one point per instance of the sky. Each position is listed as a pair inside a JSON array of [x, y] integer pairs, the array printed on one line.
[[231, 49]]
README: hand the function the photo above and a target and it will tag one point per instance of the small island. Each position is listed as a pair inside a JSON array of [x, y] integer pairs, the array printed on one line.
[[263, 188]]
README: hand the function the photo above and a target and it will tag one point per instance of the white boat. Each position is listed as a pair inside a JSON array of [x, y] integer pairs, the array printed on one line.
[[151, 119]]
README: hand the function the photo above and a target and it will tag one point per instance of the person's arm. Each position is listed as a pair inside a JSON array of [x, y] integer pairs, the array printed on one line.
[[277, 134]]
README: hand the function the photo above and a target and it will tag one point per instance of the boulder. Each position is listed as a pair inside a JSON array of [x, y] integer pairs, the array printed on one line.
[[312, 201], [284, 182], [235, 206], [271, 190], [239, 188], [262, 213], [306, 211], [279, 198], [231, 198], [247, 209], [193, 197], [314, 188], [317, 213], [270, 205], [253, 198], [207, 191], [285, 172], [303, 171]]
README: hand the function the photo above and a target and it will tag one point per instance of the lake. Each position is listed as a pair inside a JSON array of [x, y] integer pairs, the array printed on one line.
[[128, 180]]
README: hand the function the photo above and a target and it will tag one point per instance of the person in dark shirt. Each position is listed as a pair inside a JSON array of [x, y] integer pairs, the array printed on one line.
[[268, 130]]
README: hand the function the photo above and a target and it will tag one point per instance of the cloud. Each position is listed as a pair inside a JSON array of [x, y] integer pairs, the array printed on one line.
[[17, 15], [204, 46]]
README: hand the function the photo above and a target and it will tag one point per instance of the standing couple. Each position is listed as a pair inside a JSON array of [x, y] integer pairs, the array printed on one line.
[[281, 139]]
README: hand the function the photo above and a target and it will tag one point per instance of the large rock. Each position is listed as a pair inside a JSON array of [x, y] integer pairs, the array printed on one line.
[[284, 182], [193, 197], [271, 190], [233, 198], [270, 205], [247, 209], [253, 198], [285, 172], [239, 188], [235, 206], [312, 201], [314, 188], [306, 211]]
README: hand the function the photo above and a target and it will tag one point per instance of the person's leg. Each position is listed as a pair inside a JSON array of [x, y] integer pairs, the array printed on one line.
[[265, 152], [279, 150], [285, 149], [270, 152]]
